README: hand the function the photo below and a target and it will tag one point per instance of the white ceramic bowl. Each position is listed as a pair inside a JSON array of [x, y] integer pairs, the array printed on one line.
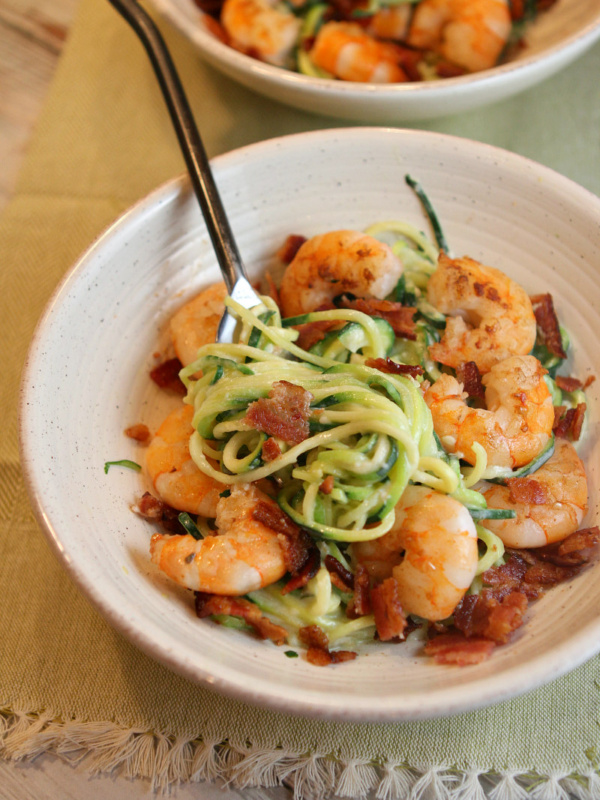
[[80, 392], [556, 39]]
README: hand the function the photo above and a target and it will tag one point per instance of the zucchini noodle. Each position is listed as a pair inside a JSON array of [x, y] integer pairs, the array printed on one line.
[[474, 475], [494, 549], [371, 432]]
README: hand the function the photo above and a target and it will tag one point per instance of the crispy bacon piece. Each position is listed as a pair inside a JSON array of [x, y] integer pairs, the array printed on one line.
[[139, 432], [313, 636], [360, 605], [547, 321], [546, 574], [270, 450], [534, 570], [152, 508], [284, 413], [507, 577], [470, 377], [210, 604], [568, 422], [559, 412], [526, 490], [389, 616], [296, 543], [327, 486], [578, 419], [577, 549], [400, 317], [166, 375], [287, 251], [392, 368], [312, 332], [318, 652], [340, 576], [566, 384], [483, 615], [273, 517], [308, 570], [454, 648]]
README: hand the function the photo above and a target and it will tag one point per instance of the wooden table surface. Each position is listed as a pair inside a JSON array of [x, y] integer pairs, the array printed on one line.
[[32, 35]]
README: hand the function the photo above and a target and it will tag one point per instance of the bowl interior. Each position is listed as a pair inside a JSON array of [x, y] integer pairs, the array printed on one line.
[[79, 394]]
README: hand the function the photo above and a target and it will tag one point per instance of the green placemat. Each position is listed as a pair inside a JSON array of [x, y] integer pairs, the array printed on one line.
[[68, 682]]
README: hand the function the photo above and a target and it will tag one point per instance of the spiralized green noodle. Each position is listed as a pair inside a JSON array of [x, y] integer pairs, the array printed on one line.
[[494, 549], [371, 431]]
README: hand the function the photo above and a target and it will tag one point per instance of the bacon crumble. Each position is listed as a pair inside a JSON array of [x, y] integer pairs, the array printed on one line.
[[484, 615], [340, 576], [166, 375], [576, 550], [150, 507], [360, 605], [547, 321], [139, 432], [526, 490], [309, 333], [308, 570], [327, 485], [296, 543], [455, 648], [284, 413], [568, 422], [208, 605], [399, 317], [288, 250], [318, 652], [468, 374], [566, 384], [270, 450], [393, 368], [390, 620]]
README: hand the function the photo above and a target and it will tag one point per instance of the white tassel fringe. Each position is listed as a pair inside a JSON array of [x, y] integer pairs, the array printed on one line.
[[167, 761]]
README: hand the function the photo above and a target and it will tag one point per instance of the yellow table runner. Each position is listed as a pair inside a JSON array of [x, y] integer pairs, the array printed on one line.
[[68, 682]]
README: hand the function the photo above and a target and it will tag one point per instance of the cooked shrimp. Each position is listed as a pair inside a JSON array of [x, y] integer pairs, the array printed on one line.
[[514, 427], [333, 263], [390, 22], [174, 475], [558, 494], [490, 315], [470, 33], [196, 323], [347, 51], [261, 29], [439, 541], [244, 556]]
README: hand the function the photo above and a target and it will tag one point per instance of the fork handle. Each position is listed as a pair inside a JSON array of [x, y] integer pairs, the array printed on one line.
[[189, 140]]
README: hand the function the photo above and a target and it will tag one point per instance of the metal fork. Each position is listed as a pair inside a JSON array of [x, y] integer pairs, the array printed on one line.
[[196, 161]]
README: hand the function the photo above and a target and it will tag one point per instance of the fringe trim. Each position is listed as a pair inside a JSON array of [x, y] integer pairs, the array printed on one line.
[[166, 761]]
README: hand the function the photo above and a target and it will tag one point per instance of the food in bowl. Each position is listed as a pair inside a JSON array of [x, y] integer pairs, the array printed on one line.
[[375, 41], [389, 446]]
